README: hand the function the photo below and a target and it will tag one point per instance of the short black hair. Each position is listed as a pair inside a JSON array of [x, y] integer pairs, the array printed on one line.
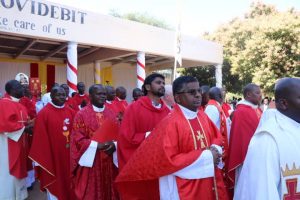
[[93, 87], [248, 88], [10, 85], [149, 80], [181, 81]]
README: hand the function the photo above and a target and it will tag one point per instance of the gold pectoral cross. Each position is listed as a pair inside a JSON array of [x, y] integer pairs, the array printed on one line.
[[200, 138]]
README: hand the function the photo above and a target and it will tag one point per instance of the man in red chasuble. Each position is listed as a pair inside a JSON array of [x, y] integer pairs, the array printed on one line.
[[182, 151], [92, 149], [13, 119], [80, 99], [244, 123], [51, 146], [139, 120]]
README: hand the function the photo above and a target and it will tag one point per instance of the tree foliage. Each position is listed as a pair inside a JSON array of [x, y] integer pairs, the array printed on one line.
[[144, 18], [261, 47]]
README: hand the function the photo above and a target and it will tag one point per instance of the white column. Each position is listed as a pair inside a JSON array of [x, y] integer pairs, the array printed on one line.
[[72, 66], [140, 69], [218, 74], [97, 72]]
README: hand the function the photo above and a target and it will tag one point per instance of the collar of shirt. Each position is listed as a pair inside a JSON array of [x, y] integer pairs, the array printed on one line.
[[109, 102], [188, 114], [14, 99], [156, 106], [56, 105], [248, 103], [81, 95], [96, 109]]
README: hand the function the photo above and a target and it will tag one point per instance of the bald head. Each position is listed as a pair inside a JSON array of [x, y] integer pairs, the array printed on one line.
[[252, 93], [287, 97], [215, 93]]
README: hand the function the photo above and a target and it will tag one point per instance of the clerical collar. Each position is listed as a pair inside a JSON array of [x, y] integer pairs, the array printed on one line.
[[119, 99], [96, 109], [81, 95], [248, 103], [188, 114], [14, 99], [109, 102], [156, 106], [56, 105]]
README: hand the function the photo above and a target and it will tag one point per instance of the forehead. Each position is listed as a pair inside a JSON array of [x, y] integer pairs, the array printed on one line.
[[158, 79], [98, 89], [59, 91], [191, 85]]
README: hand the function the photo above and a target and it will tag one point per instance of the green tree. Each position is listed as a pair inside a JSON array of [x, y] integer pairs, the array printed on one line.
[[261, 47], [144, 18]]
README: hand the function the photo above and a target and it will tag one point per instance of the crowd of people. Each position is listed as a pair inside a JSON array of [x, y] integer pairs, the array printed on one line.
[[180, 141]]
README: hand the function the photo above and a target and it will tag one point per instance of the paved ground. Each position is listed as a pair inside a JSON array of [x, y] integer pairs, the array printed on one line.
[[35, 193]]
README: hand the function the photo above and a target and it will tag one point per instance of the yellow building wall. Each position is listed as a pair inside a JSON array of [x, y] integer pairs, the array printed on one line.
[[106, 76]]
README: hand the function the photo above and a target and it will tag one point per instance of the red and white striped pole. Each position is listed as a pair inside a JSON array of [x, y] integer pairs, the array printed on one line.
[[72, 67], [140, 69]]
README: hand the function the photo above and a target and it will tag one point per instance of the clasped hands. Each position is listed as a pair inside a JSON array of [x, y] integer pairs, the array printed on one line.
[[107, 147]]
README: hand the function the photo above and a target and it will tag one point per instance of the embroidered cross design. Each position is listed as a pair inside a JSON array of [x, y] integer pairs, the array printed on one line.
[[292, 194], [200, 138]]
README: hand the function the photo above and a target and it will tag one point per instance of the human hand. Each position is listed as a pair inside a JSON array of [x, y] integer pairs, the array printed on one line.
[[110, 149], [216, 155]]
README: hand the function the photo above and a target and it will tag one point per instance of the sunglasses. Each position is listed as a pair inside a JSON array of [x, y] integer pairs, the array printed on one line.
[[192, 91]]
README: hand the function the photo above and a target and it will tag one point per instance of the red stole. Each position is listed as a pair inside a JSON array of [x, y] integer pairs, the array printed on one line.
[[77, 100], [226, 107], [223, 128], [51, 149], [95, 182], [244, 123], [172, 145], [13, 117]]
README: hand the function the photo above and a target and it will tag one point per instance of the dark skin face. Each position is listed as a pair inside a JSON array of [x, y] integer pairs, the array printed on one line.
[[190, 96], [157, 87], [66, 88], [254, 96], [58, 97], [98, 96], [81, 88], [290, 104]]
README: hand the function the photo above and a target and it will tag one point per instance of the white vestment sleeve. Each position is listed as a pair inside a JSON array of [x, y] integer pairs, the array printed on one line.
[[88, 157], [260, 175], [15, 136], [115, 155], [213, 114], [203, 167]]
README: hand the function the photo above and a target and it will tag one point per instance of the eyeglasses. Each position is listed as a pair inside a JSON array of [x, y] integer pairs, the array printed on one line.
[[192, 91]]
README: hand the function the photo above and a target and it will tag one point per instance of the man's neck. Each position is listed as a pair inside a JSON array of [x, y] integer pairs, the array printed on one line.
[[155, 99]]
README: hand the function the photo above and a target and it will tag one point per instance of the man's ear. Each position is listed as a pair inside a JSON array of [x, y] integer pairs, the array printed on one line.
[[282, 104], [147, 87], [176, 98]]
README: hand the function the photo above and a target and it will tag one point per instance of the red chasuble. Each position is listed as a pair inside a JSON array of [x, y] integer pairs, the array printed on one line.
[[95, 182], [13, 118], [226, 107], [120, 104], [139, 118], [51, 149], [244, 123], [174, 144], [77, 100], [30, 107]]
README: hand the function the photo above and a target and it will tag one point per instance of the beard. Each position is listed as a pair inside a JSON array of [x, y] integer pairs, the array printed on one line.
[[159, 93]]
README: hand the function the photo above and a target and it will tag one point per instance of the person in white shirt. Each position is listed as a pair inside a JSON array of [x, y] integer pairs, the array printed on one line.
[[271, 170]]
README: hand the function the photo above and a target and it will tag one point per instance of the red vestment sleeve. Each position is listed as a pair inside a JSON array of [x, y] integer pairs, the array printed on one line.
[[40, 151]]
